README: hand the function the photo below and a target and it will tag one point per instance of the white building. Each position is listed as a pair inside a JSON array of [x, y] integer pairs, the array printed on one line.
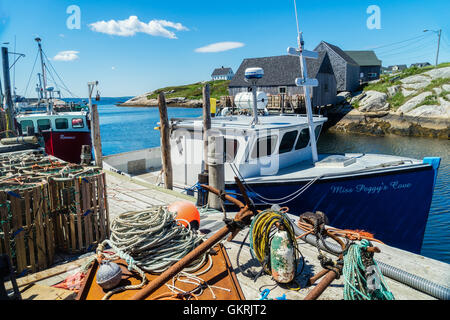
[[222, 74]]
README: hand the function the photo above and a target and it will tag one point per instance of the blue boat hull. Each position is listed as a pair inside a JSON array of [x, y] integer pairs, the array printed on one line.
[[393, 204]]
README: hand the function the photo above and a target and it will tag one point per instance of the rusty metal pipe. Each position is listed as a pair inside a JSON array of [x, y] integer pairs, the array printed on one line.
[[180, 265], [317, 276], [320, 288]]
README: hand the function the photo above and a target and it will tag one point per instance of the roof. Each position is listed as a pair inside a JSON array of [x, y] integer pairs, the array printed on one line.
[[221, 71], [339, 52], [280, 70], [364, 58]]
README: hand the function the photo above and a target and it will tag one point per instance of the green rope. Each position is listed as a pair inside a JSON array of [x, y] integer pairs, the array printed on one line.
[[359, 282]]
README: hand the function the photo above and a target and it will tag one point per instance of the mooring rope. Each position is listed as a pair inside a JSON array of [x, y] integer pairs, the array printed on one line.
[[363, 279], [154, 239]]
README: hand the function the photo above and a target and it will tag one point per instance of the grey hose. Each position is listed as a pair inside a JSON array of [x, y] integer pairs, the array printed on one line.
[[418, 283]]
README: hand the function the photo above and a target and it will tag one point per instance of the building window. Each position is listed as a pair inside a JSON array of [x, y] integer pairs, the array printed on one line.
[[61, 124], [361, 75], [325, 87], [282, 90], [372, 75], [264, 147], [287, 143]]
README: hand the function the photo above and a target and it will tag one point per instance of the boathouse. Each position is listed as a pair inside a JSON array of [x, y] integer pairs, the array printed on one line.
[[280, 73], [222, 74], [369, 64], [345, 69]]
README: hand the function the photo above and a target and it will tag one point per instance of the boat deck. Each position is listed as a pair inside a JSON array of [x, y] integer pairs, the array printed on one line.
[[125, 194]]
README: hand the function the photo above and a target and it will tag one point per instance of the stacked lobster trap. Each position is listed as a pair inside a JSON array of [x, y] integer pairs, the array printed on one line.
[[47, 206]]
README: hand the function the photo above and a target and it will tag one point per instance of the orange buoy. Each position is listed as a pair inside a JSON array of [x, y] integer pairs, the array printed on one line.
[[186, 211]]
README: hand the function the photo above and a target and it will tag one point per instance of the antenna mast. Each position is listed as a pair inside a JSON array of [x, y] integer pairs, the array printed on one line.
[[306, 83], [44, 78]]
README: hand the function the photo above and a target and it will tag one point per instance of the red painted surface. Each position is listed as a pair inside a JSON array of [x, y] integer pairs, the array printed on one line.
[[66, 145]]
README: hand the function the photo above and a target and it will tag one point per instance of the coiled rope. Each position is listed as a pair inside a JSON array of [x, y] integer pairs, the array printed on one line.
[[363, 279], [154, 239], [262, 230]]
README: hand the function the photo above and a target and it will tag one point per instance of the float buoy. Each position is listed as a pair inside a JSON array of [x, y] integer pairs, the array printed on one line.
[[109, 275], [282, 257], [186, 211]]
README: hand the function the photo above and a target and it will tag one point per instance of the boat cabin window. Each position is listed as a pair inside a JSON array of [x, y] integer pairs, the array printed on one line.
[[61, 124], [264, 147], [25, 124], [231, 149], [303, 139], [77, 123], [317, 131], [287, 143], [44, 124]]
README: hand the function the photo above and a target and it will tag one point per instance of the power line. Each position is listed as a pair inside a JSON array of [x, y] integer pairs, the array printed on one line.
[[403, 52], [402, 47], [394, 43]]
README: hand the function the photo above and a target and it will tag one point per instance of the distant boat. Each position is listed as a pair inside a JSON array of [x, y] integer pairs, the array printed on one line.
[[63, 127]]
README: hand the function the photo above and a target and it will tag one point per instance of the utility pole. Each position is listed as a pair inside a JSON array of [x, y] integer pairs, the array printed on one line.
[[439, 43], [438, 32]]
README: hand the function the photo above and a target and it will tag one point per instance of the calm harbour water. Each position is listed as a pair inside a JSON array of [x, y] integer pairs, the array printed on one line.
[[127, 129]]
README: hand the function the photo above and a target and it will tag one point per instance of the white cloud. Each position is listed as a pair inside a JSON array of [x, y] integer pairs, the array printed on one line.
[[220, 46], [66, 56], [132, 25], [113, 68]]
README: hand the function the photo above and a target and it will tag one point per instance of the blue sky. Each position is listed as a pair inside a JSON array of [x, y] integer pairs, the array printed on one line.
[[160, 46]]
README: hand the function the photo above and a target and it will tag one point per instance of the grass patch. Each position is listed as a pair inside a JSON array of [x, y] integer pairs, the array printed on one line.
[[194, 91], [397, 100]]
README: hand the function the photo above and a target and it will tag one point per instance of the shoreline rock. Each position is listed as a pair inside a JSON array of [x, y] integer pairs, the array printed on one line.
[[424, 124], [143, 102]]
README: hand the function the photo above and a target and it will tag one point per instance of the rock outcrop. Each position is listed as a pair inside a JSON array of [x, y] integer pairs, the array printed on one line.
[[143, 101]]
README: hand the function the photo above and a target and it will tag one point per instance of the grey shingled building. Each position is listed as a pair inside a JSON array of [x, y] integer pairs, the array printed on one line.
[[346, 70], [369, 64], [280, 73]]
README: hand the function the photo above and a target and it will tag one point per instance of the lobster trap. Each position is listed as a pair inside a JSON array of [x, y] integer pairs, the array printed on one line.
[[48, 205]]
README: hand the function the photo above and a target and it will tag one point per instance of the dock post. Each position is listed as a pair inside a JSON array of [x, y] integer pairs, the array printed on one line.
[[97, 141], [216, 169], [165, 142], [206, 125], [8, 96], [95, 127]]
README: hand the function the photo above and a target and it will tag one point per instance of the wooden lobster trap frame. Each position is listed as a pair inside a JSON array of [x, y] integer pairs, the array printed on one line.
[[48, 205]]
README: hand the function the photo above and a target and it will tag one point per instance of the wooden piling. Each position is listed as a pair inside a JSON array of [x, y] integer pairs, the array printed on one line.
[[216, 170], [206, 124], [165, 142], [96, 138]]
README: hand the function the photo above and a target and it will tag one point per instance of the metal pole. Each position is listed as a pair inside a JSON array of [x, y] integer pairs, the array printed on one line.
[[44, 78], [7, 80], [255, 104]]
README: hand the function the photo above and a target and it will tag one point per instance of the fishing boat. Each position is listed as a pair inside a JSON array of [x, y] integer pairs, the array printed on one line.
[[276, 158], [62, 127]]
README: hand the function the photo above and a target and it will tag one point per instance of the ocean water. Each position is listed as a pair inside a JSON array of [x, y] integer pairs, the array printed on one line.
[[126, 129]]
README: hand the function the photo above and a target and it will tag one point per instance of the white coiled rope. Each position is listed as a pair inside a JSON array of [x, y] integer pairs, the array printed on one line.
[[154, 239]]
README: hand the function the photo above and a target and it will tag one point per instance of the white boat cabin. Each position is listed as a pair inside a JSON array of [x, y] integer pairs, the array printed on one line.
[[65, 121], [276, 142]]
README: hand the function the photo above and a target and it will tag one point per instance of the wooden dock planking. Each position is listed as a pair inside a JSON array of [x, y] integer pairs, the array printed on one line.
[[433, 270], [120, 188]]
